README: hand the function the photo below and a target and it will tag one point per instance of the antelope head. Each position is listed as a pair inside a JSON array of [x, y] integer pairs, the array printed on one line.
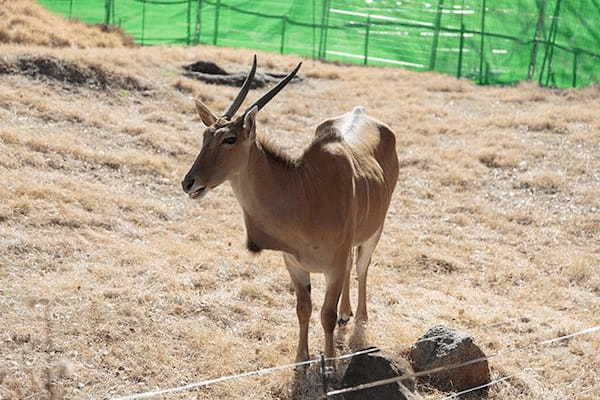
[[227, 140]]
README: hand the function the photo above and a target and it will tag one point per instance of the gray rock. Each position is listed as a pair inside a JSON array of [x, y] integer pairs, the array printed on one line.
[[441, 347], [372, 367]]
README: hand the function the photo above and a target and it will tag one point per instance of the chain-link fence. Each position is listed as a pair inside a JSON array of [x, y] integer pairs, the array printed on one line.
[[554, 42]]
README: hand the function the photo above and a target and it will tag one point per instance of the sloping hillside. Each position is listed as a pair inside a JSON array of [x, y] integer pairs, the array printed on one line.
[[113, 282], [27, 23]]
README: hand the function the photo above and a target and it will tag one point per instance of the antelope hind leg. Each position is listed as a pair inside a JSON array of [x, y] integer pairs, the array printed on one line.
[[363, 259]]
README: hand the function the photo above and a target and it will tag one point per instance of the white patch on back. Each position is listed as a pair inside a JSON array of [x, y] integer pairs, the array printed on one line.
[[350, 123]]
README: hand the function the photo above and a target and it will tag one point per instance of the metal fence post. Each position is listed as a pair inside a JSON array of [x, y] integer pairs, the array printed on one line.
[[575, 60], [481, 55], [70, 9], [367, 33], [216, 30], [324, 30], [107, 7], [189, 22], [198, 27], [461, 47], [314, 28], [549, 43], [539, 29], [283, 27], [487, 73], [143, 20], [323, 372], [436, 35], [553, 42]]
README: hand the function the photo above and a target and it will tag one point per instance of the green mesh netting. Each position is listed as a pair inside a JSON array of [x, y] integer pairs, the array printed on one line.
[[554, 42]]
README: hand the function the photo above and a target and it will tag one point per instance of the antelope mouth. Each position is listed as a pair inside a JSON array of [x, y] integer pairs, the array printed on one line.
[[198, 193]]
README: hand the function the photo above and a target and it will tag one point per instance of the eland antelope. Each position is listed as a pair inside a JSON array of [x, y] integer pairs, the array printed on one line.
[[316, 208]]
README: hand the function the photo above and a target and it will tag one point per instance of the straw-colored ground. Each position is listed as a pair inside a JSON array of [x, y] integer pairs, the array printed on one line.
[[113, 282]]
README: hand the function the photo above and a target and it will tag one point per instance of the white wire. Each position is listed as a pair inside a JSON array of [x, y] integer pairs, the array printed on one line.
[[561, 338], [590, 389], [495, 381], [408, 375], [145, 395], [427, 339], [207, 382], [453, 366]]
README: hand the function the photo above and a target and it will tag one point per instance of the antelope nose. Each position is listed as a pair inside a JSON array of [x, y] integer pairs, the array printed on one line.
[[187, 184]]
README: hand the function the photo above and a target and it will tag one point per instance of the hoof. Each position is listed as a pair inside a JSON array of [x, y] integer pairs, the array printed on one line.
[[343, 320]]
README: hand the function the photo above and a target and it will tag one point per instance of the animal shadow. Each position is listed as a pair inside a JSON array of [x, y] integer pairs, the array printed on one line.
[[307, 383]]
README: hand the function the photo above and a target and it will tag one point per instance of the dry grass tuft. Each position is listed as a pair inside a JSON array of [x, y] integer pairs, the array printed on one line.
[[545, 182], [185, 85], [26, 23], [320, 74], [499, 160]]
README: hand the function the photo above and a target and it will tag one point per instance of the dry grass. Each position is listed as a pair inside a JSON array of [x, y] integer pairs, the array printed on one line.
[[25, 22], [112, 281]]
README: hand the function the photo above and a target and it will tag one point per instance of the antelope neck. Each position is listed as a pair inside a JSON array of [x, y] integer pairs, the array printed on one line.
[[270, 190]]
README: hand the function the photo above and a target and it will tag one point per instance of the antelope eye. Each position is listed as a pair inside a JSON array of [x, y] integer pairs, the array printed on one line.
[[229, 140]]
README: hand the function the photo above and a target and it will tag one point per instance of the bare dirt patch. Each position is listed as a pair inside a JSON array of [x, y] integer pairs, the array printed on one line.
[[209, 72], [69, 73]]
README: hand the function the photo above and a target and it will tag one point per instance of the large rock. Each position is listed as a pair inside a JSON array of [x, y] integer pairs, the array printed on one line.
[[371, 367], [442, 347]]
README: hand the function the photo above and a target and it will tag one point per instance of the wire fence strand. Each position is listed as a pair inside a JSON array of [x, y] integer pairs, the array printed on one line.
[[149, 394], [473, 389], [146, 395], [463, 364], [590, 390], [263, 371], [497, 381]]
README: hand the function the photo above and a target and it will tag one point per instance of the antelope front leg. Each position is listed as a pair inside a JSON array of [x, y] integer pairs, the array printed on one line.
[[301, 281], [335, 282], [345, 307]]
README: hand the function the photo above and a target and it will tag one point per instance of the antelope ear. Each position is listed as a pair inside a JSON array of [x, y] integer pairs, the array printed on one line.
[[250, 121], [207, 117]]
